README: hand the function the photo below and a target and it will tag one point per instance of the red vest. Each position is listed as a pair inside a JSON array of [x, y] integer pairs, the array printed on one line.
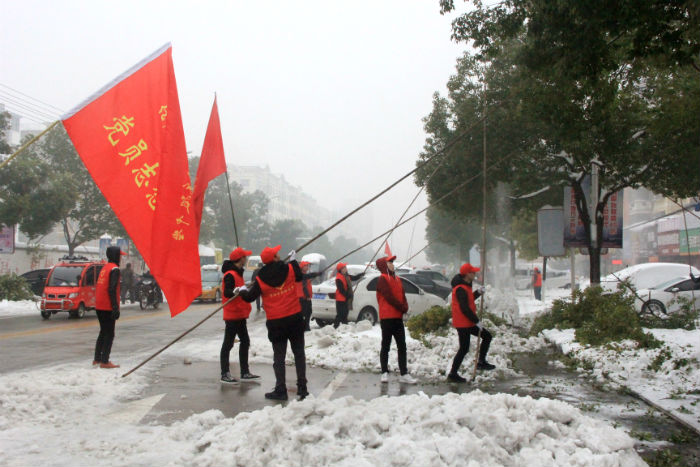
[[537, 280], [102, 301], [236, 308], [339, 297], [459, 320], [386, 310], [281, 301]]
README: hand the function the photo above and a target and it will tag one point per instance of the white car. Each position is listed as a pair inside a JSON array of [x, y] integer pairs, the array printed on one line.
[[663, 298], [364, 305], [646, 275]]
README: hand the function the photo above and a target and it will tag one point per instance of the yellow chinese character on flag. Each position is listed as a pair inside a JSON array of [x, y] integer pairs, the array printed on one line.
[[133, 152], [121, 125], [186, 202], [151, 199], [178, 235], [144, 173], [163, 112], [179, 220]]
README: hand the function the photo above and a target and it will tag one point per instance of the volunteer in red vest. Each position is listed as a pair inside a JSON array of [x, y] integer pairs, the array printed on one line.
[[107, 295], [236, 314], [537, 283], [278, 285], [306, 293], [466, 322], [392, 308], [343, 294]]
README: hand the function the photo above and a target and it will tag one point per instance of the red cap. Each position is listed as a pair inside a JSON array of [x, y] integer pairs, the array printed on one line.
[[304, 263], [239, 253], [340, 266], [268, 253], [467, 268], [123, 253], [391, 258]]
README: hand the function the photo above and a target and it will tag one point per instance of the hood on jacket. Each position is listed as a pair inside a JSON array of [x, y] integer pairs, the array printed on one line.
[[114, 254], [229, 265], [382, 266], [457, 280], [274, 274]]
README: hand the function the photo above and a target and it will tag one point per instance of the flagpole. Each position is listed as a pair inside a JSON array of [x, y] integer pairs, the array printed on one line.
[[29, 143], [233, 216]]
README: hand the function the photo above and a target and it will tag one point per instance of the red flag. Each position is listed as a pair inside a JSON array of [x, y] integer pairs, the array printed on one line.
[[212, 162], [129, 136], [387, 250]]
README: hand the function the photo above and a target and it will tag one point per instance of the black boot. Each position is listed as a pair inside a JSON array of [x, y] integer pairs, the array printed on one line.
[[279, 394], [302, 392], [484, 365], [455, 378]]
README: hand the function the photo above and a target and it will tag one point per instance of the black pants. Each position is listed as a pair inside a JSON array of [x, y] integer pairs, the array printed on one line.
[[393, 328], [538, 293], [341, 313], [235, 327], [464, 334], [257, 303], [306, 312], [103, 346], [279, 332]]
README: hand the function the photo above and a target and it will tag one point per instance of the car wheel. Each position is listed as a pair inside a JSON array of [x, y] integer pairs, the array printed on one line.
[[217, 297], [654, 308], [45, 314], [79, 313], [367, 314]]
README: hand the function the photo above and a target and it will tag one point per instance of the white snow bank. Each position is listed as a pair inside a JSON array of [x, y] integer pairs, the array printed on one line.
[[18, 308], [69, 415]]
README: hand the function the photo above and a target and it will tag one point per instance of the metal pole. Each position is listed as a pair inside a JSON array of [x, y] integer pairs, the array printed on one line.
[[230, 200], [29, 143], [483, 238]]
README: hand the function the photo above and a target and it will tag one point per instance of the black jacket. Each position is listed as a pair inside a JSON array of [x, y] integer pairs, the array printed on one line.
[[462, 298], [229, 282]]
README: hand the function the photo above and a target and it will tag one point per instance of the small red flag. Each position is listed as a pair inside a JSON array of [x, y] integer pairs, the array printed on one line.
[[130, 137], [387, 250], [212, 162]]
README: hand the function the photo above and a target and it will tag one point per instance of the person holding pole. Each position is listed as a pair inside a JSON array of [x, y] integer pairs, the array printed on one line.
[[343, 293], [306, 293], [278, 285], [236, 313], [107, 295], [466, 322], [392, 307]]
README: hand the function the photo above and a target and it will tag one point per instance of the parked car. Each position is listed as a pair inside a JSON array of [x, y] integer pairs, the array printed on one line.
[[211, 283], [436, 276], [429, 285], [70, 287], [365, 305], [36, 279], [662, 299], [646, 275]]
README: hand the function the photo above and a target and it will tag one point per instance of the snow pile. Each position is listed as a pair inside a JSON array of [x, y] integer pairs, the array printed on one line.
[[68, 415], [673, 386], [503, 304], [355, 347], [18, 308]]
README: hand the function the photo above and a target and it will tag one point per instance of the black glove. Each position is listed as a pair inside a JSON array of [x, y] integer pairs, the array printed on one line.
[[115, 315]]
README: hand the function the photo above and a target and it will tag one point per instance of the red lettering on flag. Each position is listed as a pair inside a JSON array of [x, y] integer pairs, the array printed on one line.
[[131, 140]]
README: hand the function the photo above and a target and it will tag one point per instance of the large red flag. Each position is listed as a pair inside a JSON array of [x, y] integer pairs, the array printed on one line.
[[387, 250], [212, 162], [129, 136]]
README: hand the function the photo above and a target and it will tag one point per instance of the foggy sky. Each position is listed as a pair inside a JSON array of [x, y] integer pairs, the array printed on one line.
[[329, 94]]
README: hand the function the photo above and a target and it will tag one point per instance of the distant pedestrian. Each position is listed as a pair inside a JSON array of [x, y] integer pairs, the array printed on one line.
[[465, 320], [252, 279], [393, 305], [278, 284], [127, 286], [236, 314], [537, 283], [306, 293], [343, 294], [107, 296]]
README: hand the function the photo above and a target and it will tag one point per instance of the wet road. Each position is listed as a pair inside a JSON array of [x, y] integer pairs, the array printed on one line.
[[178, 389]]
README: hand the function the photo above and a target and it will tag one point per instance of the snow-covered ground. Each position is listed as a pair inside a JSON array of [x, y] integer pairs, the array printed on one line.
[[9, 309], [71, 415]]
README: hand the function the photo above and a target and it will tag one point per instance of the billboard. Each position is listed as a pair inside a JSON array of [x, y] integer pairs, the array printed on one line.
[[574, 232], [550, 234], [7, 240]]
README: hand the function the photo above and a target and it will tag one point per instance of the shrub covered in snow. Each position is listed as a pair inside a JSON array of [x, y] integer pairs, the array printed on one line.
[[14, 287]]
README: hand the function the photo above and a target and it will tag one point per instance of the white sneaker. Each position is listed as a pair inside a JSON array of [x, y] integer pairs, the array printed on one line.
[[385, 377], [408, 379]]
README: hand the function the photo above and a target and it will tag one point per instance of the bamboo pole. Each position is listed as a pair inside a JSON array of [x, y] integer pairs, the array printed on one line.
[[230, 200], [29, 143]]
